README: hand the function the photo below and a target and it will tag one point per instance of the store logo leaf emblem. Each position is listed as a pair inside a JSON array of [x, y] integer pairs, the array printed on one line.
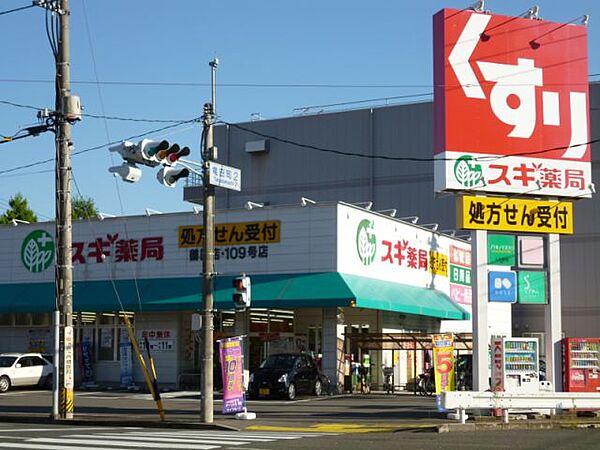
[[366, 242], [468, 172], [37, 251]]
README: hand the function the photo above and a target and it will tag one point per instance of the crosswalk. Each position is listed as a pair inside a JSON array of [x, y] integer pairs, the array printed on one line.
[[116, 439]]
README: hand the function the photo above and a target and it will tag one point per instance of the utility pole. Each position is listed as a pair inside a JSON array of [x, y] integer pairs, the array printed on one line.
[[208, 248], [64, 268]]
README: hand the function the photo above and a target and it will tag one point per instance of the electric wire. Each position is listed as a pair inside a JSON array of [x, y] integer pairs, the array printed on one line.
[[262, 85], [394, 158], [97, 147], [105, 120], [16, 9]]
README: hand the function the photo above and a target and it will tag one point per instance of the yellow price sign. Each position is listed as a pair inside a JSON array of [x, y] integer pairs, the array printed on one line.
[[516, 215]]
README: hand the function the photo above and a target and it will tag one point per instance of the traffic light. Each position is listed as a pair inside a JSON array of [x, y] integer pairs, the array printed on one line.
[[151, 149], [170, 175], [241, 292], [127, 171], [135, 153], [150, 153], [174, 156]]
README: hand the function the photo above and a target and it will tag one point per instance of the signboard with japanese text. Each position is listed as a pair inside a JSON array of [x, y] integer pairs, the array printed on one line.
[[224, 176], [502, 286], [443, 362], [497, 349], [286, 239], [515, 215], [245, 233], [511, 105], [232, 371], [532, 287], [160, 340], [501, 250], [377, 246]]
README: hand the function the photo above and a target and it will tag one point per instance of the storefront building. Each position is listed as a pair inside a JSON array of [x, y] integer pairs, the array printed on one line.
[[318, 272]]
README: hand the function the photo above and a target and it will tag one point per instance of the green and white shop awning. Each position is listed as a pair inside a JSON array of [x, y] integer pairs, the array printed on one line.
[[301, 290]]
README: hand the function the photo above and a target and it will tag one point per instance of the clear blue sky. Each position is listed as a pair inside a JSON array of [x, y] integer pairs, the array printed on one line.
[[258, 43]]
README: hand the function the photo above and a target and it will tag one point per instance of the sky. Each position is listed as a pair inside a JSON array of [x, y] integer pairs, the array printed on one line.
[[149, 60]]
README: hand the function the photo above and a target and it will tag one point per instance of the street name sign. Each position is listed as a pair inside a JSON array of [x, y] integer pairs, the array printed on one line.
[[224, 176]]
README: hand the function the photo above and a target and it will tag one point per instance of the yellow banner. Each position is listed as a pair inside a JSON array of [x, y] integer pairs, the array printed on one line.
[[438, 263], [443, 362], [244, 233], [507, 214]]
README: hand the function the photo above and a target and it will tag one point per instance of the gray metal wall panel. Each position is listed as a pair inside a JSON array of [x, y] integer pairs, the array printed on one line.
[[289, 172]]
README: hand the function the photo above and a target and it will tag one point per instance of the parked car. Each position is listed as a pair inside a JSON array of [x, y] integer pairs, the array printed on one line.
[[286, 375], [24, 369]]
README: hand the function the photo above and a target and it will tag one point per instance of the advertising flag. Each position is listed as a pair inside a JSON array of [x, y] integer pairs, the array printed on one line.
[[232, 370], [443, 362]]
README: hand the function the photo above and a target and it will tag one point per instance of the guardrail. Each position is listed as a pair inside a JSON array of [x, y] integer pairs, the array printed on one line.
[[463, 400]]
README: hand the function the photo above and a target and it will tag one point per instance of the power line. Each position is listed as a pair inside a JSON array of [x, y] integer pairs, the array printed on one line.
[[19, 105], [393, 158], [355, 102], [45, 161], [16, 9], [132, 119], [255, 85]]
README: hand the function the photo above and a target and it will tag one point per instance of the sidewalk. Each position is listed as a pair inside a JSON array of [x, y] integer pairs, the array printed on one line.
[[359, 413]]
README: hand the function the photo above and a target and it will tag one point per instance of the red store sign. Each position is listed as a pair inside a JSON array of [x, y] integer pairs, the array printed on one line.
[[511, 105]]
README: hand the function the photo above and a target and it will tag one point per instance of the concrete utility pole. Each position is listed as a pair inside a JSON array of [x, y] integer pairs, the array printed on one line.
[[64, 268], [208, 247]]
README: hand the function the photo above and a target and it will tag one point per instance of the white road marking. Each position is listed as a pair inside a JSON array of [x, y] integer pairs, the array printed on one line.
[[267, 436], [89, 440], [25, 430], [154, 438]]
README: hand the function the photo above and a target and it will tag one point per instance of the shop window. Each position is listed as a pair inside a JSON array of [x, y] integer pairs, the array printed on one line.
[[129, 315], [42, 319], [87, 318], [6, 320], [315, 337], [106, 319], [23, 319], [227, 322], [106, 344]]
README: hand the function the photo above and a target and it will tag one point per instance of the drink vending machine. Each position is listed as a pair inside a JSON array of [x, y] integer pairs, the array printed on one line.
[[515, 364], [581, 365]]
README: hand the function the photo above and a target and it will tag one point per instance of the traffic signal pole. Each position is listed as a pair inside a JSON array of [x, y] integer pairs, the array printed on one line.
[[208, 260], [64, 268]]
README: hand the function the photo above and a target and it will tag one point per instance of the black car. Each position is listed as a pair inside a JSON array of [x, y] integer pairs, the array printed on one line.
[[286, 375]]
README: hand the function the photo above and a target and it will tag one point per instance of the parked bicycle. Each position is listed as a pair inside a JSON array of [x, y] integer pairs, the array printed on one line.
[[426, 383], [387, 379]]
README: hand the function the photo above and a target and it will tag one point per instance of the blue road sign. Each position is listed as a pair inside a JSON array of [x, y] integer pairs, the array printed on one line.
[[502, 286]]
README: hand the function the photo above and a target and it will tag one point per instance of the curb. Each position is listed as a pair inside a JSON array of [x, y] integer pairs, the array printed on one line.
[[517, 425]]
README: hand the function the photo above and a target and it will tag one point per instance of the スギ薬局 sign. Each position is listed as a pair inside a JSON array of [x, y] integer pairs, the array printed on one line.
[[511, 105]]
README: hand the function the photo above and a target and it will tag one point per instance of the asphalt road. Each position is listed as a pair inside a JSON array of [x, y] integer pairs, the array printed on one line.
[[347, 423], [49, 437]]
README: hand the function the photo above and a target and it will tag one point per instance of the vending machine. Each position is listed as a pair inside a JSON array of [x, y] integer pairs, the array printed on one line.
[[515, 364], [581, 365]]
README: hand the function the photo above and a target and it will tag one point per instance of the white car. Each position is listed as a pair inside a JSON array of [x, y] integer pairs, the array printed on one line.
[[24, 369]]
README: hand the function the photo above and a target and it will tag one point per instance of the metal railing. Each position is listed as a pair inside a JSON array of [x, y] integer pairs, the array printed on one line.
[[463, 400]]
